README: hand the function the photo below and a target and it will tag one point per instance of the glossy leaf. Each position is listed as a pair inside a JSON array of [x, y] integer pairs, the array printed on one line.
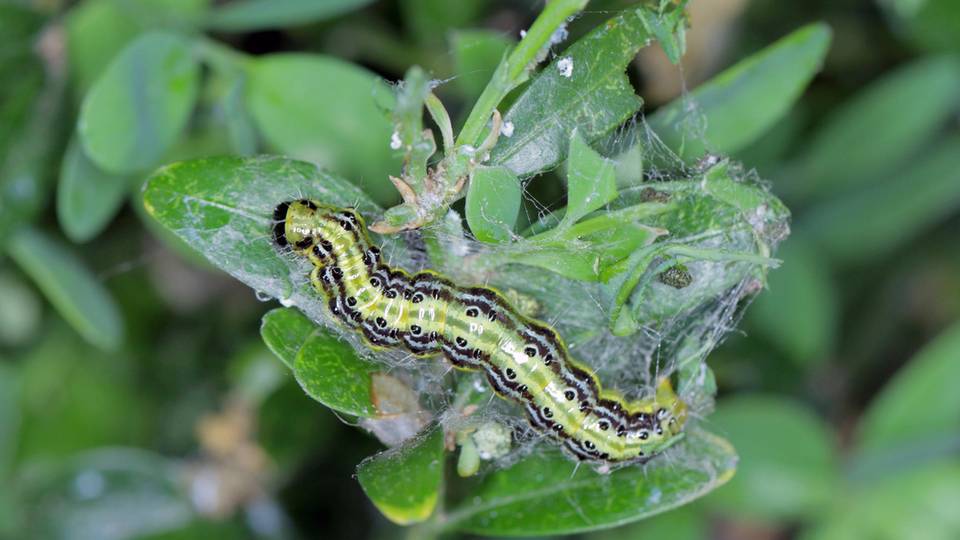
[[731, 110], [549, 494], [284, 331], [138, 107], [246, 15], [862, 142], [595, 98], [87, 197], [76, 294], [863, 226], [223, 208], [493, 203], [404, 482], [788, 468], [329, 371], [325, 110], [684, 523]]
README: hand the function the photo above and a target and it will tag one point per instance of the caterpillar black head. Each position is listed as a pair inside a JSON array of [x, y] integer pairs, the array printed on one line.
[[295, 223], [302, 224]]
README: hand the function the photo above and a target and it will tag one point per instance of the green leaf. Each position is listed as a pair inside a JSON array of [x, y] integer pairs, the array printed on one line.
[[76, 294], [684, 523], [284, 331], [87, 197], [223, 208], [97, 29], [476, 54], [733, 109], [788, 468], [404, 482], [493, 203], [860, 142], [139, 106], [330, 372], [595, 98], [868, 224], [247, 15], [919, 504], [548, 494], [920, 402], [326, 110], [591, 180], [799, 310]]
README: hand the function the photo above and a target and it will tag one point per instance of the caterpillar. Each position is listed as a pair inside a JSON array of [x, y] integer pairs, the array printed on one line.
[[475, 328]]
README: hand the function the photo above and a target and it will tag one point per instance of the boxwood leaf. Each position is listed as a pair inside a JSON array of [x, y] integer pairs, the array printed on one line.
[[404, 482], [860, 143], [76, 294], [731, 110], [493, 203], [87, 196], [788, 468], [867, 224], [549, 494], [329, 371], [325, 110], [595, 96], [284, 331], [902, 415], [137, 108]]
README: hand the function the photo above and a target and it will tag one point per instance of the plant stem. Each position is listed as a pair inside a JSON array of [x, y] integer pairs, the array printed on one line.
[[516, 68]]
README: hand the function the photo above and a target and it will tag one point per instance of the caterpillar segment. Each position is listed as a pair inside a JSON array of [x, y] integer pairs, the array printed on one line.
[[475, 328]]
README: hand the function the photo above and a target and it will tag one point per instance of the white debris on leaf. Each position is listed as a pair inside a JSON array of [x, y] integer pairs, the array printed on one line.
[[506, 129], [565, 67], [395, 141], [523, 34], [559, 35]]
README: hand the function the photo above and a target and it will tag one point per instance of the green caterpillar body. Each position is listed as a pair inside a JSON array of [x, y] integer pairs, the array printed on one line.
[[475, 328]]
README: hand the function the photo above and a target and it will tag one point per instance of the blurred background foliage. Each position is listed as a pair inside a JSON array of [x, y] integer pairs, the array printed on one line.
[[138, 401]]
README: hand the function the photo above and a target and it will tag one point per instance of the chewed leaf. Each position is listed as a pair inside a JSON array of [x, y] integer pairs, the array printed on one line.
[[223, 208], [330, 372], [547, 494], [284, 331], [404, 483], [584, 88]]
